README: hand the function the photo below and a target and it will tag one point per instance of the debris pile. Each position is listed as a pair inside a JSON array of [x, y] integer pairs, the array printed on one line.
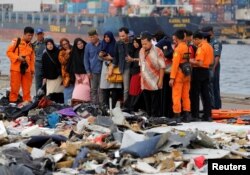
[[49, 138]]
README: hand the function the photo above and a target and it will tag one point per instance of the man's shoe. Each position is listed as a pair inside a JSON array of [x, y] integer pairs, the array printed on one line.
[[186, 118], [172, 123], [207, 119], [197, 119], [177, 117]]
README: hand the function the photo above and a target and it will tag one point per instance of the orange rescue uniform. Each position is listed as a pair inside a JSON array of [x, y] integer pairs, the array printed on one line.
[[205, 53], [16, 78], [181, 87]]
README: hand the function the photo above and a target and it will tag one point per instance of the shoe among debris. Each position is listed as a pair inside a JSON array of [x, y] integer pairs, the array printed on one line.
[[84, 139]]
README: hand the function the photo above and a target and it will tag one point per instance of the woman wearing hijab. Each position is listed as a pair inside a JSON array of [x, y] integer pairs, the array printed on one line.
[[106, 54], [52, 72], [81, 92], [68, 78], [134, 101]]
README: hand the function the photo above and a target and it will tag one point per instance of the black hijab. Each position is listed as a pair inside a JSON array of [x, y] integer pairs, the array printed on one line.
[[51, 65], [76, 57], [54, 52]]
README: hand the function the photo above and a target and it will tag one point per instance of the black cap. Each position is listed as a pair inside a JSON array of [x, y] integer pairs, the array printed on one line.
[[207, 29], [205, 34]]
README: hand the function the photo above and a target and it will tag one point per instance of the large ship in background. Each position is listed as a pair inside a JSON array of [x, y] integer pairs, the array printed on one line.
[[76, 17]]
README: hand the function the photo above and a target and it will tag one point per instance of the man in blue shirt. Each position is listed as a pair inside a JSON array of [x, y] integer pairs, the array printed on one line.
[[93, 65], [39, 47]]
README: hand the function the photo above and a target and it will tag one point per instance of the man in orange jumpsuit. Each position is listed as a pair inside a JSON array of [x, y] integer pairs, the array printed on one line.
[[200, 76], [22, 61], [179, 81]]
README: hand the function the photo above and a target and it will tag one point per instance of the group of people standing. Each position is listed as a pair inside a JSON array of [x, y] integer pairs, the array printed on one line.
[[164, 76]]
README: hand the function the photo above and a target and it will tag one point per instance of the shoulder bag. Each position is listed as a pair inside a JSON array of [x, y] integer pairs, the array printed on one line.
[[116, 76]]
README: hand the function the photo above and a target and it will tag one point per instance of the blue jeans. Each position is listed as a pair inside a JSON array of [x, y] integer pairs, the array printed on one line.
[[67, 93]]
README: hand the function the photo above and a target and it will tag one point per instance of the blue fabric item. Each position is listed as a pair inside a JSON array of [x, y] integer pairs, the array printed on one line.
[[14, 169], [166, 41], [80, 157], [20, 170], [108, 47], [67, 112], [92, 62], [53, 119], [144, 148], [67, 93]]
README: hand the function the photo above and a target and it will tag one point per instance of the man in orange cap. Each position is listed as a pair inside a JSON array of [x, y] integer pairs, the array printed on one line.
[[22, 59]]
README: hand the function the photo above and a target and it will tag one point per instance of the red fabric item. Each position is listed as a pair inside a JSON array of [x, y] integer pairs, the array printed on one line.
[[135, 85], [44, 102], [199, 161]]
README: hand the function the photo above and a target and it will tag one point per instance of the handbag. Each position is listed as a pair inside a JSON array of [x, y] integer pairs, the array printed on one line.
[[186, 66], [116, 76]]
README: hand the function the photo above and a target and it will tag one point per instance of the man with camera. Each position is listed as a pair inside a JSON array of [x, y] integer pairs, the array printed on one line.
[[180, 77], [22, 60]]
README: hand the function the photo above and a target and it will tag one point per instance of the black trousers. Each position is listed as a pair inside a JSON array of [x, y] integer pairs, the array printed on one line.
[[166, 98], [114, 93], [200, 86], [152, 102], [216, 86]]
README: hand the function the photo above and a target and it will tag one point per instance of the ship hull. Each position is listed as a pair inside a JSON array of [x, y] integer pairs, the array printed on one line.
[[79, 25], [152, 24]]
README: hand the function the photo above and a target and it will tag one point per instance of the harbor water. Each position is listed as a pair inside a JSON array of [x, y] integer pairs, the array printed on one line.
[[235, 68]]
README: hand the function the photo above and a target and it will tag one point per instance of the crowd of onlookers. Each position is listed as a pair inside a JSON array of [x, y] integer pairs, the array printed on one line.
[[163, 75]]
